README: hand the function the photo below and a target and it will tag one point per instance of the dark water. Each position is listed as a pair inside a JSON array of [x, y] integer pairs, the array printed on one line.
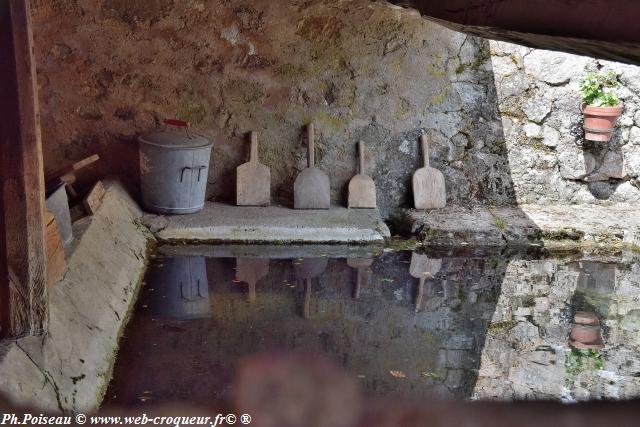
[[447, 325]]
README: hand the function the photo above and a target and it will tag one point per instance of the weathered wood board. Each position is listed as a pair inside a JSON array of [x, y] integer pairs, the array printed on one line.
[[362, 270], [311, 189], [362, 189], [56, 263], [93, 200], [250, 270], [423, 268], [253, 180], [429, 191]]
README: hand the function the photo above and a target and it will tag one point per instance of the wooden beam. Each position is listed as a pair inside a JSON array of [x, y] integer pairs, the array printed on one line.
[[23, 291], [601, 28]]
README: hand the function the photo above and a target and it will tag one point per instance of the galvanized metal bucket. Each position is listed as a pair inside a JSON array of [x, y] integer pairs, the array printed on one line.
[[181, 288], [174, 166], [57, 203]]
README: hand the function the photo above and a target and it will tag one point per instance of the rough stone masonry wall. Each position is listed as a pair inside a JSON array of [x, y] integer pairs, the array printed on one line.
[[109, 70], [112, 69], [551, 162]]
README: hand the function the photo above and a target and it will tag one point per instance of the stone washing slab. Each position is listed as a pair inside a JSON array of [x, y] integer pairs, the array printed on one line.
[[69, 368], [558, 227], [272, 251], [219, 222]]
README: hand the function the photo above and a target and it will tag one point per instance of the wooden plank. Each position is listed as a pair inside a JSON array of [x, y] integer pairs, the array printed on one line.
[[67, 173], [93, 200], [253, 179], [429, 190], [22, 231], [362, 189], [56, 263], [311, 189]]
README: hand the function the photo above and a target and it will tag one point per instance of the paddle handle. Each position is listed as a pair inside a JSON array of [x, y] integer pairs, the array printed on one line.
[[307, 299], [420, 295], [425, 149], [311, 157], [252, 292], [361, 156], [254, 147]]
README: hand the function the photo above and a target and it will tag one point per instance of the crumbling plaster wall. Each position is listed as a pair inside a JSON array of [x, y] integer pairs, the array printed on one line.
[[110, 70]]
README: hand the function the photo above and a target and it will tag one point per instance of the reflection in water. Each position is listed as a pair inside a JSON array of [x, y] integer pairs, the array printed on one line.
[[250, 271], [423, 268], [473, 326], [182, 288]]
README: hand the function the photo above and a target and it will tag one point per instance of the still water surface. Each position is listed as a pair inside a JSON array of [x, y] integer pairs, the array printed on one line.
[[445, 324]]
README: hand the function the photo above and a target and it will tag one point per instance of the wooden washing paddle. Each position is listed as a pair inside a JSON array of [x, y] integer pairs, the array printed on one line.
[[311, 188], [253, 180], [428, 183], [362, 189]]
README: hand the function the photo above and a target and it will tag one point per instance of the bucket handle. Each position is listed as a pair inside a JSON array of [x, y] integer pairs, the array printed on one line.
[[179, 123], [199, 296], [198, 168]]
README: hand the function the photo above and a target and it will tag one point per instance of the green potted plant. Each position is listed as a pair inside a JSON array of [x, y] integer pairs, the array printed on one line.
[[601, 106]]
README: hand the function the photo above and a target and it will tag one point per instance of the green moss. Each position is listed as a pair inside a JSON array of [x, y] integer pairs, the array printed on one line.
[[435, 68], [499, 222], [504, 325], [277, 157], [290, 70], [500, 145], [563, 234], [405, 108], [396, 66], [482, 56], [400, 244], [461, 68], [191, 111], [538, 145], [434, 376], [495, 263], [441, 96], [332, 122], [528, 301]]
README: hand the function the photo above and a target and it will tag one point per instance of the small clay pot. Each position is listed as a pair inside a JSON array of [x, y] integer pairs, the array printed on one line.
[[600, 122], [586, 318], [585, 333]]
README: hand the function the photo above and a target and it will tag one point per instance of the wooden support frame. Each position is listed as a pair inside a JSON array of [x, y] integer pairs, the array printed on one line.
[[23, 291]]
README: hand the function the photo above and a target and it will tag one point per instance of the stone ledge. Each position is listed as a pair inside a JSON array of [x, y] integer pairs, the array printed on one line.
[[70, 367], [557, 227], [219, 222]]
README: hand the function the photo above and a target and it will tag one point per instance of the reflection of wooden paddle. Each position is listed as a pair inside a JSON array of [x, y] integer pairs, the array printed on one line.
[[423, 268], [362, 189], [428, 183], [311, 188], [362, 268], [307, 269], [250, 270], [253, 180]]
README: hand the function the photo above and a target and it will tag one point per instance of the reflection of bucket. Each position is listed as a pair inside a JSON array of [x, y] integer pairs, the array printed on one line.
[[181, 288], [57, 203]]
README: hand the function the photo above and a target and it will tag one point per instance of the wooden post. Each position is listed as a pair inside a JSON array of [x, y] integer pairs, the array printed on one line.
[[23, 291]]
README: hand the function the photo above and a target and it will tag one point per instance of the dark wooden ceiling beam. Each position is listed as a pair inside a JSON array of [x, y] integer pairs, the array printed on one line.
[[601, 28]]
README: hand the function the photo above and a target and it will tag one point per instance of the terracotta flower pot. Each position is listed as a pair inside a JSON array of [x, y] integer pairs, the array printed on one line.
[[585, 333], [600, 122]]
